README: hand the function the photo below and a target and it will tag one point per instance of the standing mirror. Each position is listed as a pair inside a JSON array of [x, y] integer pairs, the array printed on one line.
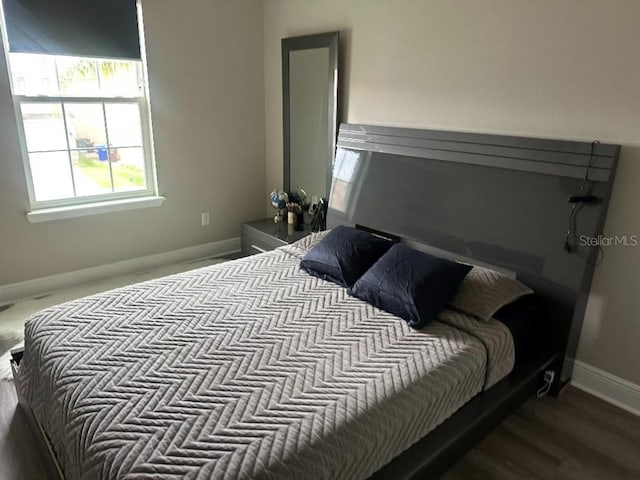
[[309, 97]]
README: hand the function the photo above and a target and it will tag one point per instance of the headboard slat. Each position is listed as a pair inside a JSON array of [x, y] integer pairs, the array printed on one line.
[[549, 157], [553, 145]]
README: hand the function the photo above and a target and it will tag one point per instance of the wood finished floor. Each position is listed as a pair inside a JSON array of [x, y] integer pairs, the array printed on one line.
[[574, 437], [18, 458]]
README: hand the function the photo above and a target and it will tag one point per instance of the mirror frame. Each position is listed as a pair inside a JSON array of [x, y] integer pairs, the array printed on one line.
[[323, 40]]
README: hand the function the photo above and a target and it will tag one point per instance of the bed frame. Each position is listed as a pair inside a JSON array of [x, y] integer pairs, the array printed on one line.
[[490, 199]]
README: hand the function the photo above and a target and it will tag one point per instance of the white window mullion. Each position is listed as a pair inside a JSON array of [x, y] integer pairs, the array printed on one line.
[[49, 99], [66, 135], [147, 146], [55, 66], [106, 135], [98, 76], [17, 106]]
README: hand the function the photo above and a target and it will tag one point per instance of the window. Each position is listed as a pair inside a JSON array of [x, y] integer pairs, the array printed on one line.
[[82, 125], [83, 120]]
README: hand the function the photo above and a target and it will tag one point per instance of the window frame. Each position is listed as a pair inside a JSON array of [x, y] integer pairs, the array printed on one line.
[[150, 192]]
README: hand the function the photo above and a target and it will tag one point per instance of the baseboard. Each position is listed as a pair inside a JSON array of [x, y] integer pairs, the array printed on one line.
[[608, 387], [40, 286]]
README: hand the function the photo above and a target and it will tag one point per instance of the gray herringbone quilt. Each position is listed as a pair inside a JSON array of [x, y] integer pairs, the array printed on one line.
[[250, 368]]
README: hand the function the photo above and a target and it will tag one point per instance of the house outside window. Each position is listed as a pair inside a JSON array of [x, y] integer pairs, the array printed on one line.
[[83, 117]]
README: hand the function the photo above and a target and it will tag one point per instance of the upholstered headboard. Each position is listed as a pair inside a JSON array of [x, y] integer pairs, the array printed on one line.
[[493, 199]]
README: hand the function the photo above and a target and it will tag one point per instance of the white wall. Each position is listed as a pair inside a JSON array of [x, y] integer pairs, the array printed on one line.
[[206, 73], [565, 69]]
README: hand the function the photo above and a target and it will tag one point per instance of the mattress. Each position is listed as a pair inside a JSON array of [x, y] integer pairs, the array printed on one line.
[[246, 369]]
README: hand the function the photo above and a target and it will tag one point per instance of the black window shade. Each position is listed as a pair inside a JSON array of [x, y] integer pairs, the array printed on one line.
[[86, 28]]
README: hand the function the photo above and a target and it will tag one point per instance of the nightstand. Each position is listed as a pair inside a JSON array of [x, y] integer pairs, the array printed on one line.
[[264, 235]]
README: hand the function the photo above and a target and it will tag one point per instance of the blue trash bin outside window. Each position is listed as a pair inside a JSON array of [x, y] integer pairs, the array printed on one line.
[[102, 153]]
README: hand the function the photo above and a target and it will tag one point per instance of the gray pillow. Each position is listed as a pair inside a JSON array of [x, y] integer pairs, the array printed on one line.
[[483, 292]]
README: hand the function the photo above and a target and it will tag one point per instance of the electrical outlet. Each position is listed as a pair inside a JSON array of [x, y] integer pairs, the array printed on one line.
[[205, 218]]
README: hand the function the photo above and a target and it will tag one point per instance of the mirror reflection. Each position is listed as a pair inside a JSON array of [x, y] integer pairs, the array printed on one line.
[[309, 129], [309, 72]]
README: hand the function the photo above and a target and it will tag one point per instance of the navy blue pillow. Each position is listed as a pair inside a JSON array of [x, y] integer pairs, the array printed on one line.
[[344, 255], [410, 284]]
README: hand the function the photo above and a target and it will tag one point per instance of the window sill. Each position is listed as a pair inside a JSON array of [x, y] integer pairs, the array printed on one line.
[[72, 211]]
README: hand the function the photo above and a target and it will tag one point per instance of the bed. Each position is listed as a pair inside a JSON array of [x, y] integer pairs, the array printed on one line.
[[251, 368], [255, 369]]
